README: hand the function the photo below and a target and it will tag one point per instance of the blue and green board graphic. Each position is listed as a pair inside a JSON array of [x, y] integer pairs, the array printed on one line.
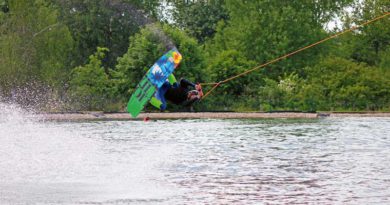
[[152, 81]]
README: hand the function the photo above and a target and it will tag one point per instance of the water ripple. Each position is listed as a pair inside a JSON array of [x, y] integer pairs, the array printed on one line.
[[321, 161]]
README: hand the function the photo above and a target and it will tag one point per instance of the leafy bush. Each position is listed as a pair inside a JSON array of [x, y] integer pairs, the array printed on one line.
[[340, 84], [90, 86]]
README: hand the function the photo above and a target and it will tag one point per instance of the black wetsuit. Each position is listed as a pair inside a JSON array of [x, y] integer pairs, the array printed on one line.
[[178, 94]]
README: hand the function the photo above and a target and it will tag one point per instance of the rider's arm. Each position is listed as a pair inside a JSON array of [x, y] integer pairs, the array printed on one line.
[[184, 83]]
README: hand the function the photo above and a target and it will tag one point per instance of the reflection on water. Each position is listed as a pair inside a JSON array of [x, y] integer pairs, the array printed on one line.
[[324, 161]]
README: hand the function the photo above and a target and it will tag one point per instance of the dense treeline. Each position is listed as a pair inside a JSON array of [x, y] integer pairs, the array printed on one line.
[[90, 54]]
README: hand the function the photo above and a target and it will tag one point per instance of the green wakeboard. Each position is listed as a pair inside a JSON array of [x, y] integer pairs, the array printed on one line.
[[152, 81]]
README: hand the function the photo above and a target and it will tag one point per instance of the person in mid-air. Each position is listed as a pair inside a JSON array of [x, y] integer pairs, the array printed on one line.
[[184, 93]]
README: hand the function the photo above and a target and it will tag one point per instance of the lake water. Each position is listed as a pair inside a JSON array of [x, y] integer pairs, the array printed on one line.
[[317, 161]]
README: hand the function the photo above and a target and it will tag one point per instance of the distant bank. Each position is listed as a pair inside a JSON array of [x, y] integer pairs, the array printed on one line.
[[205, 115]]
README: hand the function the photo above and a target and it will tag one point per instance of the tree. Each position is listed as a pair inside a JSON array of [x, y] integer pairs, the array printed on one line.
[[34, 45], [234, 94], [372, 41], [230, 63], [281, 94], [199, 18], [90, 86], [341, 84], [264, 30], [4, 6], [105, 23]]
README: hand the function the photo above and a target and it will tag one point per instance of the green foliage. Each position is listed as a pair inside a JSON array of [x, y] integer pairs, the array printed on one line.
[[385, 59], [333, 84], [373, 41], [4, 6], [229, 63], [42, 40], [237, 93], [105, 23], [90, 86], [339, 84], [281, 94], [271, 95], [199, 18], [35, 46], [264, 30]]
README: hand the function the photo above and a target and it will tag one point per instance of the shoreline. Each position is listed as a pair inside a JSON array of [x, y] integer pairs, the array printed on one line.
[[205, 115]]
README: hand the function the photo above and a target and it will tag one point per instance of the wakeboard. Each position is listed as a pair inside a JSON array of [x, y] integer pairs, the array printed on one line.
[[152, 81]]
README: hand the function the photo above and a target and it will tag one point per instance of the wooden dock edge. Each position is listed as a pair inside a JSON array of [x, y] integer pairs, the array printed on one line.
[[203, 115]]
